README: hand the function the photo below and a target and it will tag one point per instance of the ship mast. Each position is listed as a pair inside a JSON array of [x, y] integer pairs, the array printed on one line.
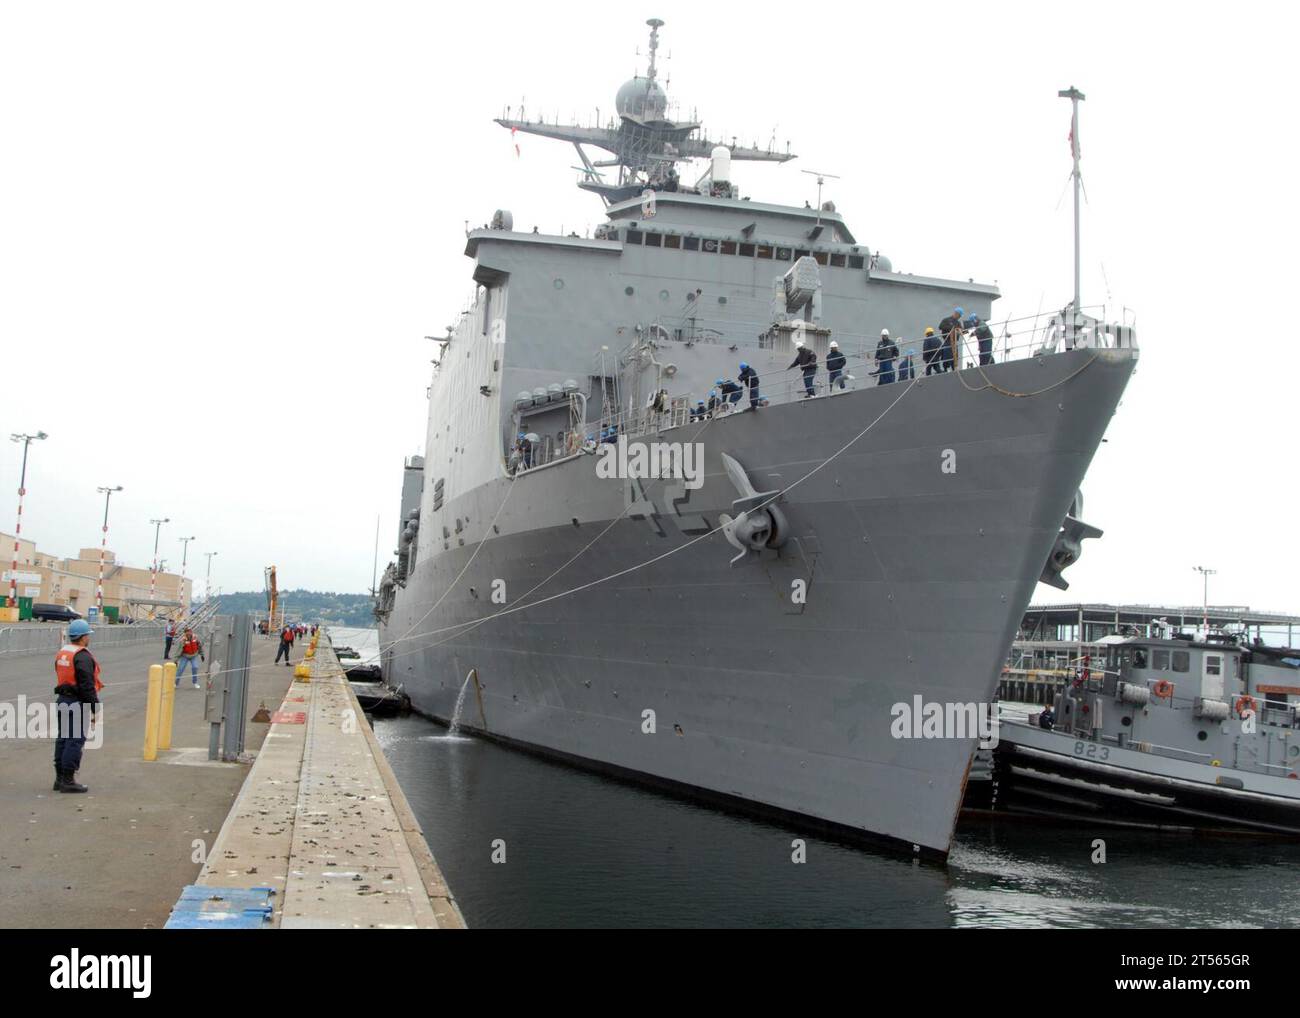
[[655, 24], [1075, 96]]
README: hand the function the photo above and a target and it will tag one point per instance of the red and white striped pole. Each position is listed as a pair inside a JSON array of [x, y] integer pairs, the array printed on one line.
[[103, 546], [153, 574], [18, 529]]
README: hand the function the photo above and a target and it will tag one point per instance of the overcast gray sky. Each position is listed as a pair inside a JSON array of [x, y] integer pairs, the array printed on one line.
[[226, 227]]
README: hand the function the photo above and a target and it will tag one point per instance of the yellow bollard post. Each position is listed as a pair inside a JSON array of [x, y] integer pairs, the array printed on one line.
[[302, 672], [168, 705], [153, 707]]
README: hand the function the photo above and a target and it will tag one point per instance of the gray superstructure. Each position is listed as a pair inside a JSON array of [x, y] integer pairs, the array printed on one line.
[[914, 518]]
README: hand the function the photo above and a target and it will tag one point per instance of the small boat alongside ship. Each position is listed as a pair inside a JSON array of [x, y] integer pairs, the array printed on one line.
[[1172, 731]]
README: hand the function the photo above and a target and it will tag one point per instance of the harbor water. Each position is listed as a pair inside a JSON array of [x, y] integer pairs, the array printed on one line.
[[528, 842]]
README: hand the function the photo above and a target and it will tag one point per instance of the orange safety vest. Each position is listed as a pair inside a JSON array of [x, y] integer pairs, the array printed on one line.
[[190, 647], [64, 671]]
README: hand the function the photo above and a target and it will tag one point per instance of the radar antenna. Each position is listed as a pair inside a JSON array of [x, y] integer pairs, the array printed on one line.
[[643, 137]]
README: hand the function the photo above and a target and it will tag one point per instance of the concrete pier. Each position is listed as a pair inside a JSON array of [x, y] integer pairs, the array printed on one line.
[[322, 820], [318, 815]]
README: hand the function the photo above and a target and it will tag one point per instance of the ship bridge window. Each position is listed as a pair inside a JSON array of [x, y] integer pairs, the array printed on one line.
[[634, 236], [672, 240], [855, 261], [1213, 664], [728, 247], [1139, 657], [1182, 661], [653, 240], [691, 243], [837, 261], [710, 245], [783, 254], [764, 251], [801, 253], [1160, 660], [746, 250], [820, 257]]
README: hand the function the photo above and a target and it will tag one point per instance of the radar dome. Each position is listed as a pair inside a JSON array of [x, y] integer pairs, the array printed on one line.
[[641, 98]]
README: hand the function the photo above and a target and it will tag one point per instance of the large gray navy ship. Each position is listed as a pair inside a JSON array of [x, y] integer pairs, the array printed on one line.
[[600, 561]]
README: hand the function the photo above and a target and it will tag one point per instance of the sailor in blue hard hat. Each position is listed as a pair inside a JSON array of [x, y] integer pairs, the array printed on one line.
[[749, 378], [77, 686]]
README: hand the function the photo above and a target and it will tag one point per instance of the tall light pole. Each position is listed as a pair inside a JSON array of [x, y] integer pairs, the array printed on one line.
[[103, 544], [153, 575], [1075, 97], [1205, 595], [180, 594], [207, 584], [18, 529]]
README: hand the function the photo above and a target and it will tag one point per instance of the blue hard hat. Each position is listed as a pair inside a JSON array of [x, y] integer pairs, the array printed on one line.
[[959, 312], [743, 365], [719, 382], [713, 392], [78, 628]]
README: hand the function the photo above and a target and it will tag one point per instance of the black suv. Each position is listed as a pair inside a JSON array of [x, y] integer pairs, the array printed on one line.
[[54, 613]]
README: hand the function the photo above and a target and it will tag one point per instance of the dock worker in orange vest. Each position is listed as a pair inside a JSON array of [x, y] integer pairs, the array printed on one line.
[[286, 645], [77, 687], [191, 648]]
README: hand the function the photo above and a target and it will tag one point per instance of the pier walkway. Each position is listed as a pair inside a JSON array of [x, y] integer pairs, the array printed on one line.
[[322, 820]]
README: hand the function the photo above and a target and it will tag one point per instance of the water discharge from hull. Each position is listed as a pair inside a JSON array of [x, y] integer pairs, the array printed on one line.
[[454, 727]]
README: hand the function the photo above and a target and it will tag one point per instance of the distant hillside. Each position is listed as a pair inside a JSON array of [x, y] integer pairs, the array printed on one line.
[[311, 605]]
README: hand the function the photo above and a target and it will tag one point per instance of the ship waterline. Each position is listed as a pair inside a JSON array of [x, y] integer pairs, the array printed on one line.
[[919, 544]]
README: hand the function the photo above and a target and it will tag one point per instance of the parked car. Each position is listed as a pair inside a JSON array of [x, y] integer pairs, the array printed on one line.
[[54, 613]]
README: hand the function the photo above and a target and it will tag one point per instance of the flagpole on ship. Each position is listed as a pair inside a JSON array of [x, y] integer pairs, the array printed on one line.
[[1074, 95]]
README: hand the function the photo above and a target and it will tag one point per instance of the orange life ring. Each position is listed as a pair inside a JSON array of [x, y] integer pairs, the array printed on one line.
[[1245, 701], [1163, 689]]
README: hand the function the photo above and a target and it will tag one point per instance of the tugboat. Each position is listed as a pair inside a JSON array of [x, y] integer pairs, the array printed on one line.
[[1180, 732]]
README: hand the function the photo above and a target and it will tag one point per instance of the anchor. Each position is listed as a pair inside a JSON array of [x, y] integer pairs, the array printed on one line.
[[1069, 545], [752, 529]]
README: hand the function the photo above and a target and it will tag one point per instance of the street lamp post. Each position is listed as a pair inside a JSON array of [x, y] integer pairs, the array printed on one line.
[[103, 544], [1205, 596], [180, 593], [153, 576], [22, 490], [207, 584]]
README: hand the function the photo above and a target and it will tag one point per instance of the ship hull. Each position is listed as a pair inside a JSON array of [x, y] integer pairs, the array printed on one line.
[[916, 548]]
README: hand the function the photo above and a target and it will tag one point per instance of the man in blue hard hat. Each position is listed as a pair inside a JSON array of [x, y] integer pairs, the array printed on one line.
[[748, 377], [731, 391], [77, 686]]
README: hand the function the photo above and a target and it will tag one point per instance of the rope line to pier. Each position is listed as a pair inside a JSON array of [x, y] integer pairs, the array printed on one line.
[[990, 384], [477, 548], [466, 626]]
